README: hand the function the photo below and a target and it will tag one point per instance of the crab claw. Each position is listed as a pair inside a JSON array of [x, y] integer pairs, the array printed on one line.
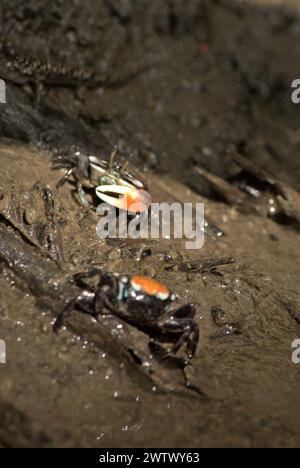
[[125, 198]]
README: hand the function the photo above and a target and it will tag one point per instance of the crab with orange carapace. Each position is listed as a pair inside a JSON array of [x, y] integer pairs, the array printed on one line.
[[139, 301]]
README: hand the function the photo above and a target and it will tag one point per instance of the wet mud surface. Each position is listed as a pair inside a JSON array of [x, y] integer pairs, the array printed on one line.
[[197, 96]]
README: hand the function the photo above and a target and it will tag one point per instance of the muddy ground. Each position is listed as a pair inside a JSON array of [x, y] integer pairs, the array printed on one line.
[[193, 91]]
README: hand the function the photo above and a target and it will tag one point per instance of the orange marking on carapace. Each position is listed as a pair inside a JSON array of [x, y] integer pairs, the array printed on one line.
[[150, 286]]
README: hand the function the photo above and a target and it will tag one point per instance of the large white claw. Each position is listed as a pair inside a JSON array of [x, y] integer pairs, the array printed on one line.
[[125, 198]]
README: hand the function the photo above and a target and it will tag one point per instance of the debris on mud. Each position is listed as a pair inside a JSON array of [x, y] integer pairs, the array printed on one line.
[[34, 214]]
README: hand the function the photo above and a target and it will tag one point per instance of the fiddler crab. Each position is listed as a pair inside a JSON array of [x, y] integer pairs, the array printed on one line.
[[139, 301], [112, 182]]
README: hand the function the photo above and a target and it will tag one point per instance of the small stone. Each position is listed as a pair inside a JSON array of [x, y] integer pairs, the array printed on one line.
[[30, 216]]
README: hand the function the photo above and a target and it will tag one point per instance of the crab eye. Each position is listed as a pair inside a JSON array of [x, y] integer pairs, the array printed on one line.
[[124, 279], [106, 180]]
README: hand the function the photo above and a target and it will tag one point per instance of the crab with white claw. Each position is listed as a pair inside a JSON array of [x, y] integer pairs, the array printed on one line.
[[139, 301], [112, 182]]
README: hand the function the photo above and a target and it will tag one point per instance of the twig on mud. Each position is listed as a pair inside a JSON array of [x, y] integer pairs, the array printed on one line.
[[33, 213], [201, 266]]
